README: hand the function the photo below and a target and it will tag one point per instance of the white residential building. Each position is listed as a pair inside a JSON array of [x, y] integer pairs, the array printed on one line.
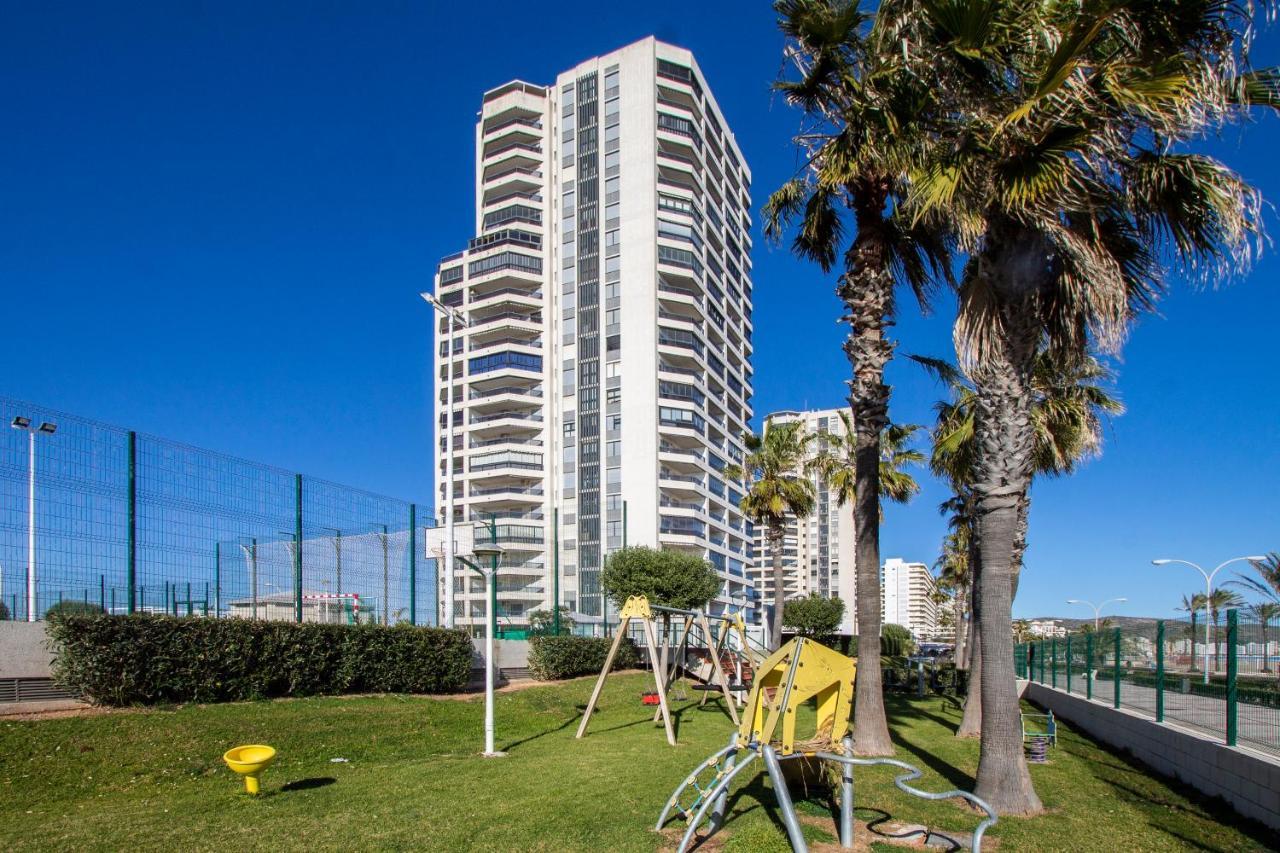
[[1047, 628], [605, 369], [907, 592], [817, 553]]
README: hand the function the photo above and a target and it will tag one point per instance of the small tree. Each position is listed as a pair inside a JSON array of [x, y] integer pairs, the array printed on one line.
[[895, 640], [814, 617], [671, 578], [542, 622], [71, 607], [4, 611]]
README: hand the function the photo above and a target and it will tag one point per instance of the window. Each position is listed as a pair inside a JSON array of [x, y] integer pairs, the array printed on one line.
[[569, 428], [498, 361], [613, 369], [450, 276], [505, 260], [613, 449], [613, 395], [615, 422]]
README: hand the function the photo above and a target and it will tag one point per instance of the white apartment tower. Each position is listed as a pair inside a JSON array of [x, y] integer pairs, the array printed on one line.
[[907, 595], [604, 370], [817, 552]]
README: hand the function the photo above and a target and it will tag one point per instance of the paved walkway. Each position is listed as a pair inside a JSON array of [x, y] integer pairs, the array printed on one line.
[[1257, 726]]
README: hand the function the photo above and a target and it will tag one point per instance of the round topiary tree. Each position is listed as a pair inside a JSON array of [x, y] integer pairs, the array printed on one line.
[[671, 578], [815, 616], [73, 608]]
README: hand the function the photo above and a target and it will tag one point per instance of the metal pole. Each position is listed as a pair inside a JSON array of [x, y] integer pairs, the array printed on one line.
[[413, 564], [132, 558], [1068, 663], [846, 798], [1116, 672], [297, 548], [1088, 681], [1233, 636], [217, 580], [102, 592], [31, 524], [253, 562], [555, 570], [1208, 595], [386, 580], [488, 643], [448, 480], [1054, 675], [1160, 671]]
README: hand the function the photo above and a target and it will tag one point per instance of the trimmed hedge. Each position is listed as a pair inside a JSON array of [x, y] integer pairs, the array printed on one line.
[[551, 658], [149, 659]]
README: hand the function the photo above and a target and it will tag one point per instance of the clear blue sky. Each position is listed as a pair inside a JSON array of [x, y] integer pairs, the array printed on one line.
[[216, 219]]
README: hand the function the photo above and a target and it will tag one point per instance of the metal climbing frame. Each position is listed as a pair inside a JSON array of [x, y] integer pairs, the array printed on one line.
[[798, 671]]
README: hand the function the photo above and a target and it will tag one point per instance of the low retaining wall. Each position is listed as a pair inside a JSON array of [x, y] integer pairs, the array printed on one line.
[[24, 650], [1249, 781]]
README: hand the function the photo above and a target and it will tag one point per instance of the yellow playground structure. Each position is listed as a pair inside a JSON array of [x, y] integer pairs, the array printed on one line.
[[799, 673]]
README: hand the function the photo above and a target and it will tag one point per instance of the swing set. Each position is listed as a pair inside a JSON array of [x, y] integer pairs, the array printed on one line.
[[799, 672], [668, 660]]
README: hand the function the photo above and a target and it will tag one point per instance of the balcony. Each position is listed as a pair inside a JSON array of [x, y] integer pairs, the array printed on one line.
[[504, 361]]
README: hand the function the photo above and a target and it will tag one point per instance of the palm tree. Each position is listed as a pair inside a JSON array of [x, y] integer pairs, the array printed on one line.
[[1267, 583], [1058, 161], [859, 98], [836, 462], [1264, 612], [1222, 599], [777, 491], [1021, 631], [1193, 604], [1071, 402]]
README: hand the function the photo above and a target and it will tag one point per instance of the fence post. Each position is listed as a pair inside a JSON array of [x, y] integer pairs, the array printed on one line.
[[1160, 671], [1042, 662], [102, 591], [131, 557], [297, 548], [1068, 663], [413, 563], [1233, 636], [1053, 676], [1088, 669], [1116, 672], [217, 582]]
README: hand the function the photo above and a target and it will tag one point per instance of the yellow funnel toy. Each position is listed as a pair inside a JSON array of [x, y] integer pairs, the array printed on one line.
[[249, 762]]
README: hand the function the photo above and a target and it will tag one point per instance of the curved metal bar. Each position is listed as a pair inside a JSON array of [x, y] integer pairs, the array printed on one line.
[[715, 758], [783, 794], [711, 797], [912, 774]]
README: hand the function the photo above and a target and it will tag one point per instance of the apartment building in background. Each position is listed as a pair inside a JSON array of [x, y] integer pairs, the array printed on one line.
[[817, 552], [602, 380], [907, 592]]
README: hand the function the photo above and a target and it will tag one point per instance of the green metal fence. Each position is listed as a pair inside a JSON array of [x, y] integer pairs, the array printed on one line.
[[1226, 684], [130, 523]]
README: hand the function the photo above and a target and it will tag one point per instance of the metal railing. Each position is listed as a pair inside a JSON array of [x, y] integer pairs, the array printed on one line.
[[1158, 669]]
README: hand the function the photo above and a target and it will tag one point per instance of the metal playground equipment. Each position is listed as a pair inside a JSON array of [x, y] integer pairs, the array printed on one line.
[[799, 671], [666, 668]]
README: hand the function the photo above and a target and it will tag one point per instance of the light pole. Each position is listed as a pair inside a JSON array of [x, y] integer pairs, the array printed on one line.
[[1097, 608], [1208, 594], [493, 551], [45, 428], [453, 315]]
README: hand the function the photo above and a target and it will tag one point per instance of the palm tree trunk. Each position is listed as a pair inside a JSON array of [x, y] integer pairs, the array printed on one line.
[[1193, 641], [867, 292], [1004, 469], [971, 722], [961, 618], [1266, 661], [779, 591]]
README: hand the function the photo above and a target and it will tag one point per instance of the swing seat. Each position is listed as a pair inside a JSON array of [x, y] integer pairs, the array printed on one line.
[[650, 698]]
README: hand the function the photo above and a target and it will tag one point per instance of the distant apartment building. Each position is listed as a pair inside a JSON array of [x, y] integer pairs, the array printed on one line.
[[817, 552], [907, 591], [603, 368], [1047, 628]]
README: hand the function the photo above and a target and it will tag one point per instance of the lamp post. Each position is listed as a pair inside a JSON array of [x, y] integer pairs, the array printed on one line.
[[493, 551], [1097, 608], [454, 316], [1208, 594], [45, 428]]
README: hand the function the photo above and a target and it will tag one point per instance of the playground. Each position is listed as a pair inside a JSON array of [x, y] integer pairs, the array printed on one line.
[[410, 777]]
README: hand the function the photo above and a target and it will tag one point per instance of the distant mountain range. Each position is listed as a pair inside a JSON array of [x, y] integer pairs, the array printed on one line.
[[1128, 623]]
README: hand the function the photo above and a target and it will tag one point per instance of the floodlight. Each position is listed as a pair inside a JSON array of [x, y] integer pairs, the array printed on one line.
[[1256, 559], [488, 549], [21, 422], [48, 428], [1160, 562]]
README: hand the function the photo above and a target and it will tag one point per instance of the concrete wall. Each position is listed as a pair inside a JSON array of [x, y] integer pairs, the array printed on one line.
[[1249, 781], [24, 650], [510, 654]]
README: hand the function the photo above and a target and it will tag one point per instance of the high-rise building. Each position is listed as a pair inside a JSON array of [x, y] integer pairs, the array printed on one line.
[[907, 593], [817, 552], [604, 369]]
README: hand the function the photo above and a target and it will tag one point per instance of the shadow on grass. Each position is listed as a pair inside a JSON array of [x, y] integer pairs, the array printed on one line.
[[308, 784]]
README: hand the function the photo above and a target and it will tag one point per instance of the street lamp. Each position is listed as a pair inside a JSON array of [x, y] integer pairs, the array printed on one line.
[[453, 315], [1096, 608], [45, 428], [494, 552], [1208, 594]]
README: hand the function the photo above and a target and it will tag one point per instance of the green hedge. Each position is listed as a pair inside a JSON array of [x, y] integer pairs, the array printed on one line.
[[565, 657], [1248, 691], [146, 659]]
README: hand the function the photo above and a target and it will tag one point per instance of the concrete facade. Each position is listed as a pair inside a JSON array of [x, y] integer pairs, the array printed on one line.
[[907, 598], [24, 650], [1249, 781]]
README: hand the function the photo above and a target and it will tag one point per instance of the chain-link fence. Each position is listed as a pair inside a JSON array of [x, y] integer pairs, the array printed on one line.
[[1221, 679], [100, 518]]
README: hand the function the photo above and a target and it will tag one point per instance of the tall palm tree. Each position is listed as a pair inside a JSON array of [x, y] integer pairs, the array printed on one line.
[[777, 491], [1072, 400], [1059, 164], [1222, 599], [1264, 612], [859, 96], [1193, 604], [1267, 583]]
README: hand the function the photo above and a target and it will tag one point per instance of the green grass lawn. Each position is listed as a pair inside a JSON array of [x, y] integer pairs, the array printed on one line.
[[155, 779]]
